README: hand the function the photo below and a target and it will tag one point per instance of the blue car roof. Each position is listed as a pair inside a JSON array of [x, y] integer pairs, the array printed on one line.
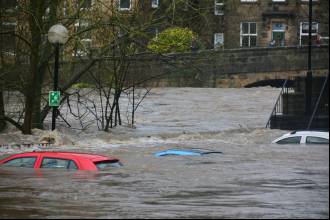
[[184, 152]]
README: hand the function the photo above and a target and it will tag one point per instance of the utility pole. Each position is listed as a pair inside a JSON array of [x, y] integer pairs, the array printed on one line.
[[309, 78]]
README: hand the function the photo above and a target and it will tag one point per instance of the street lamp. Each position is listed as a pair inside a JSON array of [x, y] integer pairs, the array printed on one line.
[[309, 77], [57, 35]]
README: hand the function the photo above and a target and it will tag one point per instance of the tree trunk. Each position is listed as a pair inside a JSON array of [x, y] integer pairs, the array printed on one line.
[[32, 94], [33, 90], [2, 112], [37, 121]]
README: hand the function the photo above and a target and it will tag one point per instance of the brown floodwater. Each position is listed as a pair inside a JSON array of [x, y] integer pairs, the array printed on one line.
[[255, 180], [251, 179]]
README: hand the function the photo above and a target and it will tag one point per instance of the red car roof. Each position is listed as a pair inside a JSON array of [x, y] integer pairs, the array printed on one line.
[[93, 157], [81, 157]]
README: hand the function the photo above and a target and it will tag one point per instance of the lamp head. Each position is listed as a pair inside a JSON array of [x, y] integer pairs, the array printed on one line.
[[58, 34]]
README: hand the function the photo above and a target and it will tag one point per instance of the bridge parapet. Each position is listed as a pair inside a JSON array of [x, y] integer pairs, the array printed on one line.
[[230, 68], [224, 68]]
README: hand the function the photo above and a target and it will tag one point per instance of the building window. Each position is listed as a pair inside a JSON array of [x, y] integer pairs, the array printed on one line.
[[156, 32], [125, 5], [154, 3], [249, 34], [83, 40], [65, 7], [278, 34], [218, 40], [304, 32], [219, 7], [7, 37], [46, 14], [84, 4], [249, 0], [7, 4]]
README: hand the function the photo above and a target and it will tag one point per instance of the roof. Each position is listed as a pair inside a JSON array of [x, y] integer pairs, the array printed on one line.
[[186, 152], [321, 134], [89, 156], [318, 133]]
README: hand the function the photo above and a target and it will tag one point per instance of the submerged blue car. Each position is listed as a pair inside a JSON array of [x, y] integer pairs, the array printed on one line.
[[185, 152]]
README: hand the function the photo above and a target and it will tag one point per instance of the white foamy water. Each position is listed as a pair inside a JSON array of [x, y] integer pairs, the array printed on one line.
[[170, 112]]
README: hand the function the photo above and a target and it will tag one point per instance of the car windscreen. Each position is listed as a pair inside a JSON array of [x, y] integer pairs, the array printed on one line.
[[106, 164]]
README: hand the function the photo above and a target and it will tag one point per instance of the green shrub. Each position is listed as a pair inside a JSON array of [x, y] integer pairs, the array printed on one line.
[[173, 40]]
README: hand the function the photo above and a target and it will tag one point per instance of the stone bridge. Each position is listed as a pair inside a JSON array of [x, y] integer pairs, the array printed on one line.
[[230, 68]]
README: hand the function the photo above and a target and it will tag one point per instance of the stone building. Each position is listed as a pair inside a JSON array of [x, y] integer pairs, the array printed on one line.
[[249, 23], [263, 23], [219, 23]]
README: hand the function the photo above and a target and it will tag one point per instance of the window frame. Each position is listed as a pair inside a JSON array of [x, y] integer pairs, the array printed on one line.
[[219, 7], [156, 32], [217, 43], [154, 4], [88, 6], [301, 34], [80, 52], [249, 1], [124, 9], [11, 7], [242, 35], [11, 27], [283, 31]]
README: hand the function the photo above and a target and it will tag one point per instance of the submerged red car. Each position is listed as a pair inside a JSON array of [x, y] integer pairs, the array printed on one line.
[[61, 160]]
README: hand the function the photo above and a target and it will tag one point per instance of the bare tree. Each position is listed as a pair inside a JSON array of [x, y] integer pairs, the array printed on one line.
[[117, 35], [33, 19]]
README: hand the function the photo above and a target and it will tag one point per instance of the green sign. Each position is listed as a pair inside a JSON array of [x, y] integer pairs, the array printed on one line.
[[54, 98]]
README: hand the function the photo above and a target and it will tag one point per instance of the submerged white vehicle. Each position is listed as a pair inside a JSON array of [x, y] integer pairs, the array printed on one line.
[[304, 137]]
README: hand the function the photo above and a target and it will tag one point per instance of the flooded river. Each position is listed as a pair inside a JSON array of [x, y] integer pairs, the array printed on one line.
[[251, 179]]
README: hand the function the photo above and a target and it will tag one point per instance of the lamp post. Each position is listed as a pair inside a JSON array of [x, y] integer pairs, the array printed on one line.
[[57, 35], [309, 78]]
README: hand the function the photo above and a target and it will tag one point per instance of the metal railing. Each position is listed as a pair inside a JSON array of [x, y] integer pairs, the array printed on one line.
[[317, 107], [278, 107]]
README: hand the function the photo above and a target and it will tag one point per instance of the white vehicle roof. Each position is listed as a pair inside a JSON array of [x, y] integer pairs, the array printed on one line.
[[314, 133], [321, 134]]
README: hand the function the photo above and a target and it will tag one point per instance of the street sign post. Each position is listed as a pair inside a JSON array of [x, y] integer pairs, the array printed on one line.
[[54, 98]]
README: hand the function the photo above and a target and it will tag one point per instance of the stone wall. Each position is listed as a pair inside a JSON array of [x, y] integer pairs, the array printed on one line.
[[228, 68]]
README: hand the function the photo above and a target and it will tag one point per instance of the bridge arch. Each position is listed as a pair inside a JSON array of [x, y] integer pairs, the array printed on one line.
[[278, 83]]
